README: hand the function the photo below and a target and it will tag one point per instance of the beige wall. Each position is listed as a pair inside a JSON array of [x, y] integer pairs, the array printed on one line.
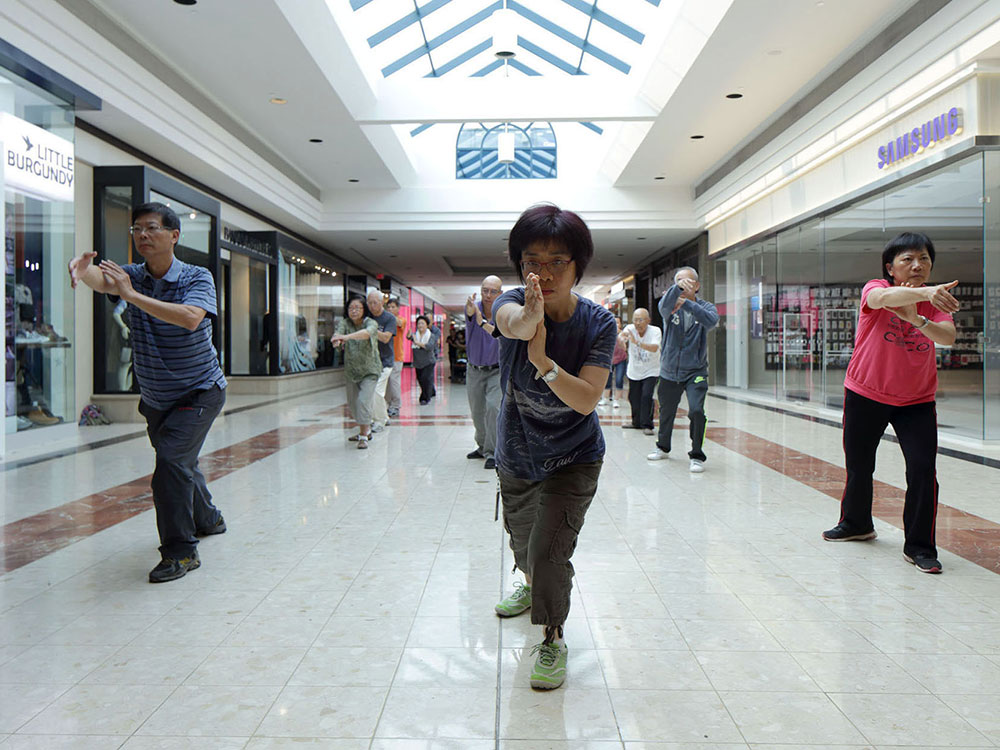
[[83, 346]]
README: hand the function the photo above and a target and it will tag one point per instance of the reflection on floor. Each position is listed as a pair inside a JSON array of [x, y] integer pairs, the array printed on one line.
[[350, 604]]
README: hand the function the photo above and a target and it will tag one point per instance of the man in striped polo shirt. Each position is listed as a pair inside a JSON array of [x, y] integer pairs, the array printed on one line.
[[171, 306]]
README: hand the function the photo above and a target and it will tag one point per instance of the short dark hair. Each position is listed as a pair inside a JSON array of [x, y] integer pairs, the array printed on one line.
[[425, 319], [364, 307], [902, 243], [547, 223], [168, 218]]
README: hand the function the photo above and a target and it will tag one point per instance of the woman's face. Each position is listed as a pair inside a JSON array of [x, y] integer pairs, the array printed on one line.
[[355, 311], [421, 325], [912, 267], [555, 268]]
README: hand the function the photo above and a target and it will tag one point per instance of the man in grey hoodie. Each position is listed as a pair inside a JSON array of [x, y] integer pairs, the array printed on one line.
[[684, 362]]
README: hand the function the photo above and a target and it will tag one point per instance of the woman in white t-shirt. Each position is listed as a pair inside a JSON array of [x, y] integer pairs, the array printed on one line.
[[643, 342]]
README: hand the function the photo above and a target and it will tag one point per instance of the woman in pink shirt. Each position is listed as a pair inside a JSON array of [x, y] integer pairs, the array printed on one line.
[[892, 379]]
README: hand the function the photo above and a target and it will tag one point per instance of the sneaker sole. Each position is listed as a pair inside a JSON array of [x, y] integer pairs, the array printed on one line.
[[501, 613], [913, 562], [856, 538], [543, 685]]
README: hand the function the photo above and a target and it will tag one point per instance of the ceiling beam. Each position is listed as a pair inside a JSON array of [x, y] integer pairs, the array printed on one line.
[[496, 99]]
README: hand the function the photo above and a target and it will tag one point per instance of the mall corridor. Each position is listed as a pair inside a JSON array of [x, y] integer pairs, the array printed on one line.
[[350, 603]]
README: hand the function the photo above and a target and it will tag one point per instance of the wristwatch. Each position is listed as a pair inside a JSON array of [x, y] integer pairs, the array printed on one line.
[[551, 374], [924, 322]]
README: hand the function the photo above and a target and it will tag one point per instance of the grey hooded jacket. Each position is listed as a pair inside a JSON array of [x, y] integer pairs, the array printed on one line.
[[685, 336]]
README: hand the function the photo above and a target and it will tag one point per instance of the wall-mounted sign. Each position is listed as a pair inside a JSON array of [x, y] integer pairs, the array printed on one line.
[[36, 162], [262, 243], [921, 137]]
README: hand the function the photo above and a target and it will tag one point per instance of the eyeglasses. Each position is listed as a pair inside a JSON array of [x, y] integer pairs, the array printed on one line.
[[490, 292], [137, 229], [556, 267]]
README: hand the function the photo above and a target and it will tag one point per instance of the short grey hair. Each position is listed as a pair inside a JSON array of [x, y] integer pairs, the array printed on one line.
[[372, 291], [686, 268]]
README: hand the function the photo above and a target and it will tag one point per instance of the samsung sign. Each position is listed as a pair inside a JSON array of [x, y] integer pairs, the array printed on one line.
[[924, 136], [36, 162]]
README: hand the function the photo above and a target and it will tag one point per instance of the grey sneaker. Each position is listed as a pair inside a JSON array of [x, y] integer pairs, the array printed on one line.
[[549, 671], [657, 455], [519, 601]]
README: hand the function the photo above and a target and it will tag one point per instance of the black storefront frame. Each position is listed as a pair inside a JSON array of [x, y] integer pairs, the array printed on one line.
[[262, 247], [142, 181]]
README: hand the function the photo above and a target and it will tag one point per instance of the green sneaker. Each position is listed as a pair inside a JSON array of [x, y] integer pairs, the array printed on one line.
[[519, 601], [550, 665]]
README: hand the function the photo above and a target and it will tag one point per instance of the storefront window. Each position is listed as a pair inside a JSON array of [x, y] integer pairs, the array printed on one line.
[[37, 134], [248, 310], [310, 303], [789, 304]]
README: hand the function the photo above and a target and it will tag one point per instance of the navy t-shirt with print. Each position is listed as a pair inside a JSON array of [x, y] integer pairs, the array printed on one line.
[[536, 432], [386, 322], [171, 361]]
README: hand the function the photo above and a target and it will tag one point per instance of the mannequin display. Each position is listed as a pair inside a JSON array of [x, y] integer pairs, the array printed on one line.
[[125, 353]]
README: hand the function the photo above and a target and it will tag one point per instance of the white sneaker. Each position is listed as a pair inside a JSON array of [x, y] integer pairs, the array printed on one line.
[[697, 467], [602, 402], [657, 455], [376, 427], [614, 404]]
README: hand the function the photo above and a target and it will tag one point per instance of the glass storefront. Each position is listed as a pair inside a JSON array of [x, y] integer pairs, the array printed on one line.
[[117, 190], [37, 131], [310, 304], [789, 302]]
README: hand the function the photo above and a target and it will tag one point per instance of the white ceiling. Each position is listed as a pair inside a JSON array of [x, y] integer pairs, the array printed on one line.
[[294, 49]]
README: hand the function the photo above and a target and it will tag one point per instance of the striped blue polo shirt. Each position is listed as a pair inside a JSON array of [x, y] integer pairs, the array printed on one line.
[[171, 361]]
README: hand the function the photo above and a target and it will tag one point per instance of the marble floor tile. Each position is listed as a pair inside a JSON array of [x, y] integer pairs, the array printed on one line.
[[98, 709], [353, 609]]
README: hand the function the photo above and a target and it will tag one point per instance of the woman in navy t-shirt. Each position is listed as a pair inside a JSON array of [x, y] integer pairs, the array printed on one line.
[[555, 354]]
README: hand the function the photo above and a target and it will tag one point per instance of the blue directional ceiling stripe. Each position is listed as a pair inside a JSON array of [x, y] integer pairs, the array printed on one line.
[[518, 65], [591, 9], [355, 4], [547, 56], [437, 41], [406, 21], [591, 126], [464, 57], [488, 69], [573, 39], [421, 128]]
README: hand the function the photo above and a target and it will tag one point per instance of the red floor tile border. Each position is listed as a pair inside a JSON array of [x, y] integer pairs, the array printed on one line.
[[31, 538], [964, 534]]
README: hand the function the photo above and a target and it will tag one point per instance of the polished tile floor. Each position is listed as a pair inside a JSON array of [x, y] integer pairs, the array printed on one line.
[[350, 605]]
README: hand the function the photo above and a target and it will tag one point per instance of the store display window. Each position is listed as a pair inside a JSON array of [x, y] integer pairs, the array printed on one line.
[[310, 304], [37, 132], [116, 191], [789, 303]]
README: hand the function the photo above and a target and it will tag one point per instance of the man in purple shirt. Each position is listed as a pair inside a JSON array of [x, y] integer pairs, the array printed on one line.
[[482, 382]]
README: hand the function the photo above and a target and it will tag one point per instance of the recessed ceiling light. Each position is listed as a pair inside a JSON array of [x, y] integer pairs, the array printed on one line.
[[393, 256], [352, 179], [185, 2], [734, 95], [640, 238], [659, 178], [621, 255], [373, 239], [315, 140], [697, 137], [277, 100], [774, 52]]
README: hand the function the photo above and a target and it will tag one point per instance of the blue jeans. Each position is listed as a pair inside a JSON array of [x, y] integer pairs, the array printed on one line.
[[617, 375], [181, 498]]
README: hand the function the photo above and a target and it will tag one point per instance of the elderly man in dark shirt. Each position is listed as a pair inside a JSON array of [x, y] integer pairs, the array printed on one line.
[[482, 381]]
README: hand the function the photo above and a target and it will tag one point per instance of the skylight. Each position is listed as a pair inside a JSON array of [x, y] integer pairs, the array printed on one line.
[[434, 38]]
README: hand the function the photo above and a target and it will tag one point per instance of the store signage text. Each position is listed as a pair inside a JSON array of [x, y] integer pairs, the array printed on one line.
[[247, 240], [36, 162], [924, 136]]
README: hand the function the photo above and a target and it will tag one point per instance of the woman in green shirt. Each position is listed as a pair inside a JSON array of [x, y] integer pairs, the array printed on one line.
[[362, 365]]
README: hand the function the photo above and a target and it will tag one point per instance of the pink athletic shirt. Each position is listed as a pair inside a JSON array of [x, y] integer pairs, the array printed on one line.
[[893, 362]]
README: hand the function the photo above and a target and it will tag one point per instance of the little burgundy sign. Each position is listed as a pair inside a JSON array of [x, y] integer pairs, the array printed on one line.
[[35, 161]]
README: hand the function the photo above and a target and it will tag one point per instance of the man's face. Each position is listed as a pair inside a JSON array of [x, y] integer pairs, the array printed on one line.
[[375, 304], [641, 322], [490, 291], [150, 238], [689, 293], [393, 308]]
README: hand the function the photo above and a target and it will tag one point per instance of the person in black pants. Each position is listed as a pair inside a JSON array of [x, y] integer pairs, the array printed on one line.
[[643, 342], [892, 379], [684, 363], [425, 346]]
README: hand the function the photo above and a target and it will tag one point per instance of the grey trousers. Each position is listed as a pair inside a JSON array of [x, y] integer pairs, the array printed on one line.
[[483, 389], [394, 391], [360, 397], [544, 520]]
